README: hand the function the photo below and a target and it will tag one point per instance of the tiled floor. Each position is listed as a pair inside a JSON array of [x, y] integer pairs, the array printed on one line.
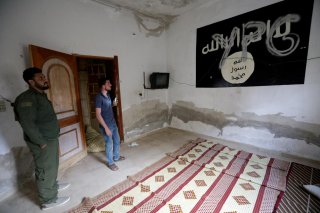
[[90, 176]]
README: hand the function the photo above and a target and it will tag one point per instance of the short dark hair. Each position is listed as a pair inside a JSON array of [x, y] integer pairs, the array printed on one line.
[[28, 74], [102, 81]]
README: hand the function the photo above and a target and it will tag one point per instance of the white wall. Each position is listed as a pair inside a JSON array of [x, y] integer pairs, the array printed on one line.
[[73, 26], [295, 108]]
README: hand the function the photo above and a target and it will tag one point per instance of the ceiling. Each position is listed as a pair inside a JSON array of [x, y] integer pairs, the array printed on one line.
[[154, 16]]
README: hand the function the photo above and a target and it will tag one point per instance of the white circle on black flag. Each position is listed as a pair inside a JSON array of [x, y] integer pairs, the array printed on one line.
[[237, 68]]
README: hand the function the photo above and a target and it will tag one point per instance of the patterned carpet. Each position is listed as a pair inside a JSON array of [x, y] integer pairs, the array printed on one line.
[[203, 176]]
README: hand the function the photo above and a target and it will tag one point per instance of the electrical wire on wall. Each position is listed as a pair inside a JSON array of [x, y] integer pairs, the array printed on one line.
[[2, 103], [192, 85], [7, 100], [143, 18]]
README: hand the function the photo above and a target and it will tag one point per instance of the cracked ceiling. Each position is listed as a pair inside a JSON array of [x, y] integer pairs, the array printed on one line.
[[163, 12]]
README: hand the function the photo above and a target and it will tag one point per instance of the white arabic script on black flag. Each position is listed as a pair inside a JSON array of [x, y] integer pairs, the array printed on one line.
[[268, 46]]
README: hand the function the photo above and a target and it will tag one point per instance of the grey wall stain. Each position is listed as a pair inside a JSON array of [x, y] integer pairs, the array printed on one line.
[[19, 158], [163, 22], [145, 117], [276, 124], [176, 3], [187, 111], [17, 168]]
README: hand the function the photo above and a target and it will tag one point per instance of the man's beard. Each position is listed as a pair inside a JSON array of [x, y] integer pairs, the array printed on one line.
[[41, 87]]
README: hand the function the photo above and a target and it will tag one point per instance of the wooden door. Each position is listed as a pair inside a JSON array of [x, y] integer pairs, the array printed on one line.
[[62, 74], [118, 110]]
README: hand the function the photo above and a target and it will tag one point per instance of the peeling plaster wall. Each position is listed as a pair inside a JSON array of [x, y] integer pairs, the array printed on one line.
[[145, 117], [73, 26], [276, 132], [282, 118]]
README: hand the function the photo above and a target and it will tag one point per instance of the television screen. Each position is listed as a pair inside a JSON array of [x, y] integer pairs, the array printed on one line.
[[159, 80]]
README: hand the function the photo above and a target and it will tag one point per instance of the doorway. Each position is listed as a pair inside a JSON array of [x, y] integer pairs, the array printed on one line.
[[63, 76], [91, 69]]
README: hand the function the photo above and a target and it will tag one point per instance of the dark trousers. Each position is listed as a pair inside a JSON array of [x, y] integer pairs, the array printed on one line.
[[46, 169]]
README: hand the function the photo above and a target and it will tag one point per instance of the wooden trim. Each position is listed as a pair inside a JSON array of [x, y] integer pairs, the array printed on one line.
[[68, 121], [30, 49], [78, 101], [92, 57], [118, 94], [39, 55]]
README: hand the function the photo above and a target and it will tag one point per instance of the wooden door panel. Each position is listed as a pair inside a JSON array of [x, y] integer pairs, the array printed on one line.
[[70, 141], [61, 71], [62, 90]]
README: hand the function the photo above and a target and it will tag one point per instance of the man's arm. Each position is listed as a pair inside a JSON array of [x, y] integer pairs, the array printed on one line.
[[102, 122]]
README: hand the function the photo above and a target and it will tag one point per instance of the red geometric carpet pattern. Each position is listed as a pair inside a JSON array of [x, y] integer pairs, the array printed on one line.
[[203, 176], [296, 199]]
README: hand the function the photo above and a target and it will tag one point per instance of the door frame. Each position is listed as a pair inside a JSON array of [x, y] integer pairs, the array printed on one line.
[[116, 86]]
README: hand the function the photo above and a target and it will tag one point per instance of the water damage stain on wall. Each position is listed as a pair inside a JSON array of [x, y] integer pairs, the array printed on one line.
[[280, 126], [145, 117], [17, 168]]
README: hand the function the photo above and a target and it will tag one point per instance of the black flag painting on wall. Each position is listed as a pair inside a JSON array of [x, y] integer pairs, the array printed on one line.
[[268, 46]]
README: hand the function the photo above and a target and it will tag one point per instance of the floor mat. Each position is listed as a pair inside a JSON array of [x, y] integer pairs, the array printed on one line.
[[204, 176]]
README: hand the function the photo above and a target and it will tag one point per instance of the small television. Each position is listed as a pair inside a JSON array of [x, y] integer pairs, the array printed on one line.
[[159, 80]]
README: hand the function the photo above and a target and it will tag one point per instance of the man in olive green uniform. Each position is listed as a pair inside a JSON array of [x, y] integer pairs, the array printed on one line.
[[41, 129]]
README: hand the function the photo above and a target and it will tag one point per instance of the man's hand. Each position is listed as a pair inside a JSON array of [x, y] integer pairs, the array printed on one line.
[[108, 132], [42, 146], [115, 102]]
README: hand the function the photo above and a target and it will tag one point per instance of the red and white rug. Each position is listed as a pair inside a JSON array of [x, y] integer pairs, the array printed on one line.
[[203, 176]]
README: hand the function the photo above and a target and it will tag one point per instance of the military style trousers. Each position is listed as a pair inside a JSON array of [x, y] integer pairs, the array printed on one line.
[[46, 169]]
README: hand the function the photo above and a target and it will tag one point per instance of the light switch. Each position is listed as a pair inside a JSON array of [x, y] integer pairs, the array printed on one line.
[[2, 106]]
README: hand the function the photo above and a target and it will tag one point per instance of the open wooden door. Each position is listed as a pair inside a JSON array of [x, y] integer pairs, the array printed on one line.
[[118, 109], [61, 71]]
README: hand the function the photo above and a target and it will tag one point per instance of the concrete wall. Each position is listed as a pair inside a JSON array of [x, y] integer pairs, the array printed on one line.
[[281, 118], [73, 26]]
